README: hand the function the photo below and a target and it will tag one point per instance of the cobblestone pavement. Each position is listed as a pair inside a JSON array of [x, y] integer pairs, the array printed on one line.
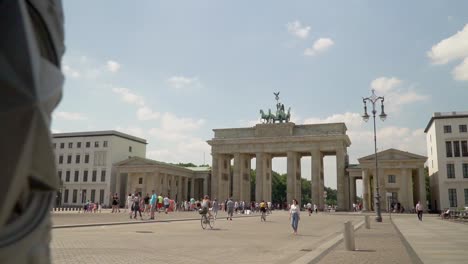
[[380, 244], [435, 240], [243, 240]]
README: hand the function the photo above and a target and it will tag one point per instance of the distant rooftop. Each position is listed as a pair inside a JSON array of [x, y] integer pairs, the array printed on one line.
[[99, 133], [445, 115]]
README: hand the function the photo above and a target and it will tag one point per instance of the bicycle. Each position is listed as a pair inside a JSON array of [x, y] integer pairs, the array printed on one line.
[[207, 220]]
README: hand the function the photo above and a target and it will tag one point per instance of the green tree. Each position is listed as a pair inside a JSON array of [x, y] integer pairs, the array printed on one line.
[[331, 196], [278, 187], [186, 164], [306, 192]]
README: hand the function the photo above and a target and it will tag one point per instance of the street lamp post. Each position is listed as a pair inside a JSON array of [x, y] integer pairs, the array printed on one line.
[[374, 99]]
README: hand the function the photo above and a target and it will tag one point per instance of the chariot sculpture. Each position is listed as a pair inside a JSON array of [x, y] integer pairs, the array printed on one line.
[[281, 116]]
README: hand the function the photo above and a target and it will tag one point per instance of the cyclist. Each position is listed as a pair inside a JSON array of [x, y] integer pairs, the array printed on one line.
[[263, 209], [205, 205]]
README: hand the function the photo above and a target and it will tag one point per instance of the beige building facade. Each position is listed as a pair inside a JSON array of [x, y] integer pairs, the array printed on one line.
[[143, 175], [267, 141], [84, 162], [401, 179], [447, 151]]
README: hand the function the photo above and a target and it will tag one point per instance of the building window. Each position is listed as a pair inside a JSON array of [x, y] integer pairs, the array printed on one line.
[[447, 129], [75, 196], [86, 158], [130, 149], [101, 196], [105, 144], [462, 128], [448, 149], [65, 196], [391, 179], [84, 196], [103, 175], [85, 176], [69, 157], [77, 175], [62, 145], [77, 159], [452, 197], [54, 145], [456, 148], [88, 144], [96, 144], [464, 148], [78, 144], [61, 159], [70, 145], [67, 176], [451, 171], [465, 170], [140, 180], [466, 197], [94, 175], [93, 195], [60, 175]]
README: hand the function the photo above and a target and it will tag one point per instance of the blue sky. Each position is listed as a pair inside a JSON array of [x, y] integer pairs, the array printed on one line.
[[171, 71]]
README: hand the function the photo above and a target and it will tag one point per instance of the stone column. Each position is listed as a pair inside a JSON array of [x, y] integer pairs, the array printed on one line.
[[259, 176], [237, 177], [215, 176], [340, 175], [291, 192], [205, 187], [129, 183], [148, 183], [365, 190], [267, 178], [352, 190], [224, 183], [298, 179], [192, 188], [409, 181], [186, 188], [117, 184], [315, 177], [173, 187], [321, 184], [180, 195], [422, 188], [245, 178]]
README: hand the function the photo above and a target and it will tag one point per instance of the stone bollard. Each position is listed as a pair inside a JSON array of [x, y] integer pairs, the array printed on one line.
[[349, 236], [367, 218]]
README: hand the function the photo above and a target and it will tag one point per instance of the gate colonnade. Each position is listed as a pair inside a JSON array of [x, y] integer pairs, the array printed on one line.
[[267, 141]]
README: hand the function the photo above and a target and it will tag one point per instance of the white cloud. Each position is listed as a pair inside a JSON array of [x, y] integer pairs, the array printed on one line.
[[460, 72], [170, 122], [384, 84], [320, 46], [112, 66], [180, 82], [449, 49], [70, 72], [69, 116], [145, 113], [296, 29], [55, 131], [396, 94], [128, 96]]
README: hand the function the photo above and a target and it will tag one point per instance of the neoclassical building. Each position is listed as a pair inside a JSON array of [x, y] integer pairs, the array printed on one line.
[[267, 141], [143, 175], [401, 179]]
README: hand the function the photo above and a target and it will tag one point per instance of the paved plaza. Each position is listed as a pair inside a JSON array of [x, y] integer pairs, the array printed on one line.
[[178, 238]]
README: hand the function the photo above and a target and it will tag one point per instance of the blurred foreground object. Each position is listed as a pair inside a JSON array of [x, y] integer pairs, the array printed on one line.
[[31, 48]]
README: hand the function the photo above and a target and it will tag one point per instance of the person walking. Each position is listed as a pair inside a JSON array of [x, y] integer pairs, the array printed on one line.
[[153, 202], [419, 210], [315, 209], [215, 207], [166, 204], [294, 216], [129, 202], [230, 209], [136, 206]]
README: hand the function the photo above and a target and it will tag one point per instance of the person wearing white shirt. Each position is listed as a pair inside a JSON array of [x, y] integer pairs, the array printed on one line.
[[294, 212], [419, 210]]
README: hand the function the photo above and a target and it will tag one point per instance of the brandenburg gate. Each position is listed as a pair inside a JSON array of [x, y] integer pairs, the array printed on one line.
[[283, 139]]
